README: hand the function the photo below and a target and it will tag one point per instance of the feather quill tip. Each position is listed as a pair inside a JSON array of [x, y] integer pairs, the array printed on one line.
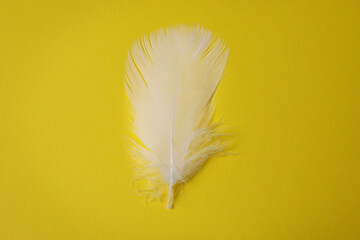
[[171, 198]]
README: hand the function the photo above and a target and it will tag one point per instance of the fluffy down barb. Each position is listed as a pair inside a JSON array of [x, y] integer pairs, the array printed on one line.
[[171, 77]]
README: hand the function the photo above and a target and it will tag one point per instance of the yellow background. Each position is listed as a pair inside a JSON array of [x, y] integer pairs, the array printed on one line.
[[290, 96]]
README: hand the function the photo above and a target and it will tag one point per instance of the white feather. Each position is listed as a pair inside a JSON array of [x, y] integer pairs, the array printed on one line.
[[171, 78]]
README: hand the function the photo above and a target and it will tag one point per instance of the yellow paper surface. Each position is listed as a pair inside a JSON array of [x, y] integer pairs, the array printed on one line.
[[290, 96]]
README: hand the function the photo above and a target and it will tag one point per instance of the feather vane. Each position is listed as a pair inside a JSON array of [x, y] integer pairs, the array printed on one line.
[[171, 78]]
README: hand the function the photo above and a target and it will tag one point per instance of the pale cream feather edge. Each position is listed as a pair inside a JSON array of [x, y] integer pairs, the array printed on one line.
[[171, 78]]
